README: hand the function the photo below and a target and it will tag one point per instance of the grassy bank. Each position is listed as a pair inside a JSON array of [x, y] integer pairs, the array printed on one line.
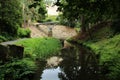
[[40, 47], [104, 40], [109, 50], [34, 48]]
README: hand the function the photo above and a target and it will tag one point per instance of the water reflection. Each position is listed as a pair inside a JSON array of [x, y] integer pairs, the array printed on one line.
[[76, 63], [79, 64], [51, 74]]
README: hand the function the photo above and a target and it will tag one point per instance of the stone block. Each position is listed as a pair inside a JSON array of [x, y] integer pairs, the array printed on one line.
[[3, 52], [16, 51]]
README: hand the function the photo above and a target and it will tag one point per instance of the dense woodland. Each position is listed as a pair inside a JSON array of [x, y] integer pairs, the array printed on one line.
[[97, 23]]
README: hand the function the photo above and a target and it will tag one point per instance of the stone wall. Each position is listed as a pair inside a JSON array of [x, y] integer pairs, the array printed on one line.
[[10, 51]]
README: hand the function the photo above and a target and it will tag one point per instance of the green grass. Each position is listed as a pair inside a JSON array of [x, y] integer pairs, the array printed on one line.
[[109, 50], [106, 47], [40, 47], [51, 18]]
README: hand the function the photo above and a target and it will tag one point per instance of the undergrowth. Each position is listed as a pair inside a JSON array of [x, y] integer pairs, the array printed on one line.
[[109, 50], [17, 69], [23, 32], [40, 47], [51, 18]]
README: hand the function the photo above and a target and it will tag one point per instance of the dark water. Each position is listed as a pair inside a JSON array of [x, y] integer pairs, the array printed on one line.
[[75, 63]]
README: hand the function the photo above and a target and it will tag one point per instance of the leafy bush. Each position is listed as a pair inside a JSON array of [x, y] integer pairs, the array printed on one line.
[[51, 18], [40, 47], [2, 38], [114, 68], [17, 70], [5, 37], [24, 32]]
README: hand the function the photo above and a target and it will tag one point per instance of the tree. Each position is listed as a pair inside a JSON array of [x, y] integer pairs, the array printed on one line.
[[91, 10], [10, 16], [33, 10], [38, 9]]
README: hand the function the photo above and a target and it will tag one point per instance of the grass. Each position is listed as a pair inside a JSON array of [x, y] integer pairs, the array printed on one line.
[[51, 18], [106, 47], [40, 47], [109, 50]]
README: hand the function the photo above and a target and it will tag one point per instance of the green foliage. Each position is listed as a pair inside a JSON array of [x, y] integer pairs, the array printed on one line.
[[109, 49], [40, 47], [37, 9], [17, 69], [63, 20], [51, 18], [92, 10], [23, 32], [10, 16], [49, 2], [5, 37], [114, 68], [2, 38]]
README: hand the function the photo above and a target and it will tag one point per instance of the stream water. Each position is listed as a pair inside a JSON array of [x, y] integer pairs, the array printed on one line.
[[75, 63]]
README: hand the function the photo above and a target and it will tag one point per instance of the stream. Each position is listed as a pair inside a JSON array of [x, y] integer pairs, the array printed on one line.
[[74, 63]]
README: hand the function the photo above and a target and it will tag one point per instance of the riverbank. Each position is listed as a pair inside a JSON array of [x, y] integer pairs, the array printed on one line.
[[106, 44], [109, 51], [35, 49]]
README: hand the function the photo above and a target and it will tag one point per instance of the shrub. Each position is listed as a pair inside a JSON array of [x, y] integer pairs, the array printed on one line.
[[2, 38], [114, 68], [24, 32], [51, 18], [5, 37], [17, 70]]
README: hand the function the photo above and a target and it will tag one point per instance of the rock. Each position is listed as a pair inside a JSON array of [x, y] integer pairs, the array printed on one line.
[[9, 51], [67, 44], [54, 61]]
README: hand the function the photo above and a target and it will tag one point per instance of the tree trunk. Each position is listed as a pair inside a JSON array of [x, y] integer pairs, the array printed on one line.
[[83, 28]]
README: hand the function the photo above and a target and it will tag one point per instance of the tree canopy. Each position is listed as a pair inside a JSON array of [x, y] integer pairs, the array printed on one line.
[[92, 10], [10, 16]]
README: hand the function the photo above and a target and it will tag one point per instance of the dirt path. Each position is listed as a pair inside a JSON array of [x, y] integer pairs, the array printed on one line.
[[58, 31]]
